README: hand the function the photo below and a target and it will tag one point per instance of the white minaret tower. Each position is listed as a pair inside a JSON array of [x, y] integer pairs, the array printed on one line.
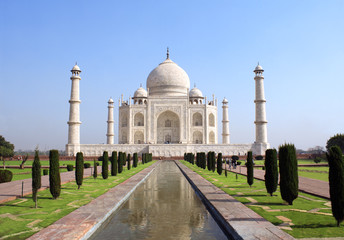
[[110, 124], [225, 122], [261, 123], [73, 145]]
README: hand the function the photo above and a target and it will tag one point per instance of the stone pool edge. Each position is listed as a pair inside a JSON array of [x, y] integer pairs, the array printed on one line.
[[84, 221], [235, 219]]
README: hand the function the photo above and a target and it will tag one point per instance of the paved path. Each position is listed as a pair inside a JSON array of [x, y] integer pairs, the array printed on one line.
[[236, 218], [13, 190], [307, 185]]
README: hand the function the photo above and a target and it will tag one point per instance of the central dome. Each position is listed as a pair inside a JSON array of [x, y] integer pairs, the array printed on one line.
[[168, 79]]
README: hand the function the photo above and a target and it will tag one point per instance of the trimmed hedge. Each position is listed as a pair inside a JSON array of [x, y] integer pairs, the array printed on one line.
[[95, 171], [36, 177], [128, 160], [5, 176], [88, 165], [219, 163], [70, 167], [45, 172], [105, 165], [114, 164], [249, 166], [135, 160]]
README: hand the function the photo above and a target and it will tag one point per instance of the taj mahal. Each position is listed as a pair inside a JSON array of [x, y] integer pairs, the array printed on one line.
[[168, 118]]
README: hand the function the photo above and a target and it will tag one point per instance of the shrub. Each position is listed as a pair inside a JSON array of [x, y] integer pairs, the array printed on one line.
[[135, 160], [238, 162], [259, 157], [45, 172], [95, 171], [5, 176], [336, 181], [249, 166], [79, 169], [70, 167], [36, 177], [128, 160], [105, 165], [271, 171], [289, 180], [219, 163], [88, 165], [317, 160], [114, 163], [235, 157], [54, 176]]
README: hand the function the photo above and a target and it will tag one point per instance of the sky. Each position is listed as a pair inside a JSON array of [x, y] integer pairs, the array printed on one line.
[[300, 45]]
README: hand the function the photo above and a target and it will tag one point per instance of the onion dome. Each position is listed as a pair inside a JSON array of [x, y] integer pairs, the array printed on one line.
[[76, 68], [168, 79], [140, 92], [195, 93], [110, 101], [225, 101], [258, 68]]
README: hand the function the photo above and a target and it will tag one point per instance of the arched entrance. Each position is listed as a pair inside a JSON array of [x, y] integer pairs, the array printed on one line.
[[168, 128]]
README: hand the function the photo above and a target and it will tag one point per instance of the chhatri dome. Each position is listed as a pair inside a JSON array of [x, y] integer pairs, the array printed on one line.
[[168, 79], [195, 92], [140, 92]]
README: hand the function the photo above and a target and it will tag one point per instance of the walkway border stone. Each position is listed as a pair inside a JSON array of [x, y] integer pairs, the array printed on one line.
[[83, 222], [236, 220]]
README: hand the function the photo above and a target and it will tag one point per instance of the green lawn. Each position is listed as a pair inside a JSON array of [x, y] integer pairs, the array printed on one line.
[[19, 219], [43, 163], [311, 216], [320, 173]]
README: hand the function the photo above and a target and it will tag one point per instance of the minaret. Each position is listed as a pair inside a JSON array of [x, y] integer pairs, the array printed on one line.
[[74, 113], [110, 124], [261, 123], [225, 122]]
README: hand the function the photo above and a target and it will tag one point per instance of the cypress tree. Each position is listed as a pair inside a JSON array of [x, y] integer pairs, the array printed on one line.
[[36, 177], [79, 169], [95, 172], [197, 159], [114, 163], [219, 163], [128, 159], [249, 166], [213, 161], [120, 159], [54, 174], [105, 165], [289, 179], [209, 163], [135, 160], [336, 181], [203, 160], [143, 158], [271, 171]]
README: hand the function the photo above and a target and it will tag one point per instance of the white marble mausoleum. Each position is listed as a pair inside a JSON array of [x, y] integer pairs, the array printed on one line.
[[167, 119]]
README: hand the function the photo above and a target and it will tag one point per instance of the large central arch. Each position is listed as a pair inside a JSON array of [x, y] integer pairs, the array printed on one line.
[[168, 128]]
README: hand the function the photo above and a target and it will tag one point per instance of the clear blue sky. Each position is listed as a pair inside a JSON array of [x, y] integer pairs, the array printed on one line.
[[300, 44]]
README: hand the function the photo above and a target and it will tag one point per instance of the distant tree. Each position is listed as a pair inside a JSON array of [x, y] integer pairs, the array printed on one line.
[[337, 140], [105, 165], [235, 157], [6, 150], [128, 160], [36, 177], [79, 169], [54, 174], [114, 163], [249, 166], [271, 171], [95, 171], [336, 181], [259, 157], [24, 159], [209, 163], [219, 163], [120, 164], [289, 179], [135, 160]]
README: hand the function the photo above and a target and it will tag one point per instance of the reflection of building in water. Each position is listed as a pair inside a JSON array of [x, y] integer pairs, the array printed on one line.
[[167, 118]]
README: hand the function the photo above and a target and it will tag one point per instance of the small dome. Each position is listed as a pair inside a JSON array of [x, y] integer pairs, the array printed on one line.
[[76, 68], [258, 68], [195, 92], [110, 100], [140, 92], [168, 79], [225, 101]]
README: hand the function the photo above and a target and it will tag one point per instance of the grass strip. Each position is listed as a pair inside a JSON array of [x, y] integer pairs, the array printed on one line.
[[19, 219], [310, 216]]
